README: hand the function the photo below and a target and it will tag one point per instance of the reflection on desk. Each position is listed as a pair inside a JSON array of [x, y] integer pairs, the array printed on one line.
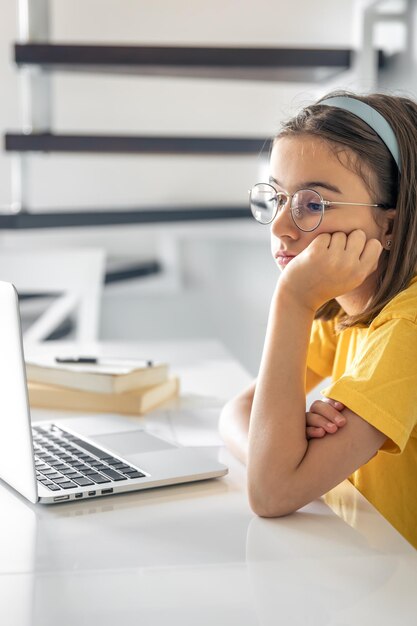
[[319, 570]]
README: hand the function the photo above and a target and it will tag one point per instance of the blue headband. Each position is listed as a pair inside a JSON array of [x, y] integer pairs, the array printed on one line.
[[370, 116]]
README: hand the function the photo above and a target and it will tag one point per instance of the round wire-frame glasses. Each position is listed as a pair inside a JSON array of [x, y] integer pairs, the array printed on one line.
[[306, 205]]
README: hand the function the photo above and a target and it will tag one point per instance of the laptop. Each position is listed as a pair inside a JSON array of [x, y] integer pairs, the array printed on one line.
[[82, 457]]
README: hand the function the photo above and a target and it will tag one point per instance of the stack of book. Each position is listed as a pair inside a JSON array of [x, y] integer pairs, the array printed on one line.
[[99, 385]]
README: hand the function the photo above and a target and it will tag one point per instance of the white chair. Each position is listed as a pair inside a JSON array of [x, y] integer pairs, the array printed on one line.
[[75, 275]]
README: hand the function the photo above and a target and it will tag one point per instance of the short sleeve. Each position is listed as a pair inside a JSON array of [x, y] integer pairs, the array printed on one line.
[[381, 383], [322, 347]]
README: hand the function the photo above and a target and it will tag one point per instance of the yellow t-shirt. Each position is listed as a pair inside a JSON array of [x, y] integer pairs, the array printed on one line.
[[374, 373]]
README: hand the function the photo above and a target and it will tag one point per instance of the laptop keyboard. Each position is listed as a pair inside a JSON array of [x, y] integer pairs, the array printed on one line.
[[63, 461]]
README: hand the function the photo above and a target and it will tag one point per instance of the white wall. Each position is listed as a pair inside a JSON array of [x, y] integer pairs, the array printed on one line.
[[195, 22]]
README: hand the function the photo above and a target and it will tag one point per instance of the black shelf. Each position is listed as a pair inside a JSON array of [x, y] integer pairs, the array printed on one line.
[[50, 142], [132, 272], [251, 63], [56, 54], [94, 218]]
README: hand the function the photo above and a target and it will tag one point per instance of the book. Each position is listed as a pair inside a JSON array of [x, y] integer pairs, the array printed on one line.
[[103, 376], [135, 402]]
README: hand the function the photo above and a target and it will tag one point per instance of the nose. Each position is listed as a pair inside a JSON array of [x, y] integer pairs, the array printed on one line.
[[283, 224]]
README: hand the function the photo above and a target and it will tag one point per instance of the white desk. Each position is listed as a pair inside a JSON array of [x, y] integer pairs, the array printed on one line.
[[195, 555]]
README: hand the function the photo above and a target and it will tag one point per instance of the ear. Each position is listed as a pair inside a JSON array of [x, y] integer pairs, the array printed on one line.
[[387, 221]]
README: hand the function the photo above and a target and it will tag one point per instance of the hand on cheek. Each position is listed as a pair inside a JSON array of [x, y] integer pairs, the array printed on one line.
[[332, 264]]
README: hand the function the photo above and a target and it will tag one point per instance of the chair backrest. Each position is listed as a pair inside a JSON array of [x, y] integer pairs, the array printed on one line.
[[76, 275]]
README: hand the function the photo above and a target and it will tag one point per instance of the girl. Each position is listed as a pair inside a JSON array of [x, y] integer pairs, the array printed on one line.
[[341, 203]]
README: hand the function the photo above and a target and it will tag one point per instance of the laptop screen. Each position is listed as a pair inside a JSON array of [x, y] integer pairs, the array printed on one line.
[[17, 466]]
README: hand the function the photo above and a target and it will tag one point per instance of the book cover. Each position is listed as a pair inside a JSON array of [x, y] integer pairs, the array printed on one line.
[[135, 402], [105, 376]]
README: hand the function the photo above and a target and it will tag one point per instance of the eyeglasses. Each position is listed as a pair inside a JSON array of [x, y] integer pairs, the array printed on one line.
[[306, 205]]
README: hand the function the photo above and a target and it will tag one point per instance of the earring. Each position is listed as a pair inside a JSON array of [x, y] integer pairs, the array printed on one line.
[[389, 242]]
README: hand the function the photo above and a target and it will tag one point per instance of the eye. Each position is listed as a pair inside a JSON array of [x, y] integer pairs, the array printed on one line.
[[282, 200], [314, 207]]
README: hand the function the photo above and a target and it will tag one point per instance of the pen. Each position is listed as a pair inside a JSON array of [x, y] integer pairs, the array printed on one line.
[[93, 360]]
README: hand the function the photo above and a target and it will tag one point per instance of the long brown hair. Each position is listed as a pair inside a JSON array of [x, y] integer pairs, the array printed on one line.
[[375, 165]]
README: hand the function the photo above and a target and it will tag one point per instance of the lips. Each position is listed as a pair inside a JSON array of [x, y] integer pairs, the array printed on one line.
[[284, 255], [283, 258]]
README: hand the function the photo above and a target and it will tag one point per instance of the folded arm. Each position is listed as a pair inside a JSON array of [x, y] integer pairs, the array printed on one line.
[[286, 470], [235, 417]]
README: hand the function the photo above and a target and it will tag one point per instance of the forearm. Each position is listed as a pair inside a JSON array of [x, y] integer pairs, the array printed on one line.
[[277, 433]]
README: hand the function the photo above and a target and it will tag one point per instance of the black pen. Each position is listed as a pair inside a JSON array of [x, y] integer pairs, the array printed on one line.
[[93, 360]]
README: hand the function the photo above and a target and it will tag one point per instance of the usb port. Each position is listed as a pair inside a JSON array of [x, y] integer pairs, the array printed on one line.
[[91, 493], [60, 498], [109, 490], [78, 495]]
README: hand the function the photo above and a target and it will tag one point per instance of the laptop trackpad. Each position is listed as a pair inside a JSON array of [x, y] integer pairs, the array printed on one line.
[[131, 442]]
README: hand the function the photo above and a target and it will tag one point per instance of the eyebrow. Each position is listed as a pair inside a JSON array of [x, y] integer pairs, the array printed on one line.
[[309, 184]]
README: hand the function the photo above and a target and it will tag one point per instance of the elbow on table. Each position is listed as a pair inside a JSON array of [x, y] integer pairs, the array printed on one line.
[[270, 504]]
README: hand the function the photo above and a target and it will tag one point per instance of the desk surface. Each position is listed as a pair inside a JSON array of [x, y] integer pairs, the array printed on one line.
[[195, 554]]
